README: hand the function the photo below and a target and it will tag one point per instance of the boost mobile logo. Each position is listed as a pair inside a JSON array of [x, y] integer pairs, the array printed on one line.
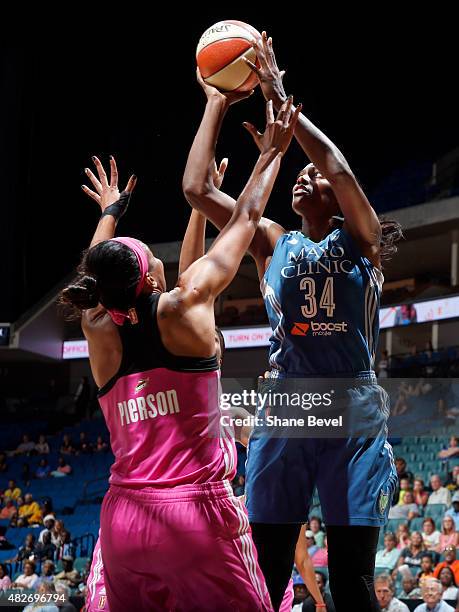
[[318, 329]]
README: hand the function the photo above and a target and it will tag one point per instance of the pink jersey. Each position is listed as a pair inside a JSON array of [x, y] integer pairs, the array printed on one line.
[[165, 429], [163, 412]]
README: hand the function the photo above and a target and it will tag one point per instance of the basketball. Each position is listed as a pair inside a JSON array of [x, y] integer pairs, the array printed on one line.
[[220, 54]]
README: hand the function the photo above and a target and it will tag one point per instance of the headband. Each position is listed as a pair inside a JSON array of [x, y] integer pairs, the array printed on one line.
[[118, 316]]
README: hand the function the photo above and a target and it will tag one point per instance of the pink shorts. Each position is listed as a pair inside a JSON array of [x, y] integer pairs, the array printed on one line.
[[184, 549], [96, 597]]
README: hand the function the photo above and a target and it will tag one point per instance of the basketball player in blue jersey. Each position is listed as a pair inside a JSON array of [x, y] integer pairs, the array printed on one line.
[[322, 288]]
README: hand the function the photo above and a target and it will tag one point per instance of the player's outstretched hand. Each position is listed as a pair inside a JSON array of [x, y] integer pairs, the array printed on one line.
[[106, 192], [279, 132], [268, 73]]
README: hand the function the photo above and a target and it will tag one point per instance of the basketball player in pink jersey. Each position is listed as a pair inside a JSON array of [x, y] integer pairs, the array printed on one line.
[[172, 534], [193, 247]]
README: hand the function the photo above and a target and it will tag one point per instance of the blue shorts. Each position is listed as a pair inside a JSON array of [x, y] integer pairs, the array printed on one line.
[[355, 475]]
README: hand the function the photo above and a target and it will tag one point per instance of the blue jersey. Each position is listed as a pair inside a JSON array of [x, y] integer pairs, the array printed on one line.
[[322, 301]]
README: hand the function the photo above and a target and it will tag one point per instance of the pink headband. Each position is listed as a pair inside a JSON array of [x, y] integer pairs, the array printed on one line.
[[118, 316]]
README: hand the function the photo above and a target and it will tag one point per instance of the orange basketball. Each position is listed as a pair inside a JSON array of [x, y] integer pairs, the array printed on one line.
[[219, 55]]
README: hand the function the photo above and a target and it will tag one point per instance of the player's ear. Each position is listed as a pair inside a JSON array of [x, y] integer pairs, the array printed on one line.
[[150, 283]]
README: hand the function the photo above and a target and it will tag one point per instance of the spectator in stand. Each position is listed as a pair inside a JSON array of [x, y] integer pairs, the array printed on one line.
[[320, 558], [309, 604], [407, 510], [311, 543], [12, 492], [63, 468], [449, 536], [300, 592], [404, 487], [387, 557], [30, 512], [48, 523], [403, 536], [448, 583], [42, 446], [45, 549], [450, 561], [8, 511], [420, 495], [411, 556], [427, 568], [431, 594], [69, 575], [454, 511], [101, 446], [5, 580], [402, 472], [84, 446], [384, 589], [28, 578], [382, 369], [63, 589], [43, 470], [430, 534], [47, 573], [453, 482], [315, 525], [67, 548], [452, 450], [409, 589], [3, 463], [46, 590], [58, 533], [25, 447], [67, 447], [26, 550], [440, 494]]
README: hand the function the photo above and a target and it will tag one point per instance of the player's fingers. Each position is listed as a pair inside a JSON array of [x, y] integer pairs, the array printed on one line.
[[252, 130], [92, 194], [269, 112], [253, 67], [223, 166], [100, 171], [295, 116], [132, 182], [287, 112], [113, 172], [91, 176]]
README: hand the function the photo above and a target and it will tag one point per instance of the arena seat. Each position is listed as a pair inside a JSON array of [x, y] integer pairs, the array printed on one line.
[[436, 511]]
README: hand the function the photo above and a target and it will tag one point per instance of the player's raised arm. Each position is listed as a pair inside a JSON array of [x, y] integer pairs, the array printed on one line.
[[194, 241], [209, 276], [360, 218], [198, 186], [113, 204]]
